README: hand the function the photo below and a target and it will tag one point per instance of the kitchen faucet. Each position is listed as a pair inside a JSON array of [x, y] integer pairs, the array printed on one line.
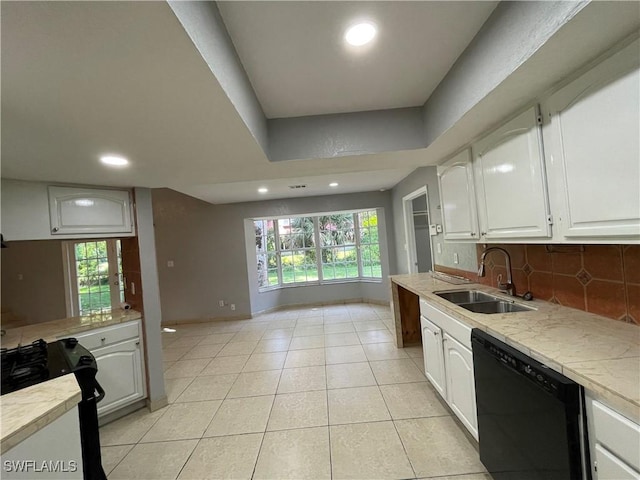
[[508, 287]]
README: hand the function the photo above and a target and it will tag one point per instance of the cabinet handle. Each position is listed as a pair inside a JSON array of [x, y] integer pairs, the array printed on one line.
[[103, 339], [483, 233], [436, 333], [473, 234], [55, 229], [138, 343]]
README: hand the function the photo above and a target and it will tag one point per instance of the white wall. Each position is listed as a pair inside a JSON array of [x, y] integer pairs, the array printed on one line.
[[208, 246]]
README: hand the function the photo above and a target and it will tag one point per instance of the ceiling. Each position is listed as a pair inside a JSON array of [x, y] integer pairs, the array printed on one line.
[[299, 64], [81, 79]]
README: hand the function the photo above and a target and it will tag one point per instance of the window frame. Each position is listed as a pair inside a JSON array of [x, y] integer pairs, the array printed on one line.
[[318, 249]]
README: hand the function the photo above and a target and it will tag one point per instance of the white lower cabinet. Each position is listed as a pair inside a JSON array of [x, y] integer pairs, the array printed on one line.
[[614, 442], [118, 352], [433, 355], [448, 362], [461, 391], [120, 375]]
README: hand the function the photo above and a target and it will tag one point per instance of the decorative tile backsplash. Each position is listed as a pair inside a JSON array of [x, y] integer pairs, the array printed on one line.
[[602, 279]]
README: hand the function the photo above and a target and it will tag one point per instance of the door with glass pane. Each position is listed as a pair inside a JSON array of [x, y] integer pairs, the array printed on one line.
[[95, 276]]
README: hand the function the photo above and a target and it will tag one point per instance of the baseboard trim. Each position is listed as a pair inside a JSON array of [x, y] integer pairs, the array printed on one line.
[[157, 404], [293, 306]]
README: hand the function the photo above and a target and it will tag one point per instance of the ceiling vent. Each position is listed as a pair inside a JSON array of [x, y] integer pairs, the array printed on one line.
[[296, 187]]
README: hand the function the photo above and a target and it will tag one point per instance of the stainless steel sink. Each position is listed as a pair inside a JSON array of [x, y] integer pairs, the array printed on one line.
[[498, 306], [466, 296], [481, 302]]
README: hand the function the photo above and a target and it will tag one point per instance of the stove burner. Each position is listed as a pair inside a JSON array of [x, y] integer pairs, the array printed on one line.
[[24, 365]]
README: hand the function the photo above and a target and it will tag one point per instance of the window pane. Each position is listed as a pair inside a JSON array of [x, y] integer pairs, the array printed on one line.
[[287, 267], [370, 248], [351, 269], [328, 271]]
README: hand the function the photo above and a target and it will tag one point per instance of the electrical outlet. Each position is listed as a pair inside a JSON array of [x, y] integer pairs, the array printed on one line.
[[170, 263], [455, 258], [439, 245], [20, 276], [221, 303], [233, 306], [133, 288]]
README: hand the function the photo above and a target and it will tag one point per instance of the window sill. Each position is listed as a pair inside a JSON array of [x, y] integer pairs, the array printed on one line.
[[318, 283]]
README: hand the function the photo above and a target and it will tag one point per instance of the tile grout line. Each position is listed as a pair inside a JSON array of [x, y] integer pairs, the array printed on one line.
[[281, 370], [326, 391]]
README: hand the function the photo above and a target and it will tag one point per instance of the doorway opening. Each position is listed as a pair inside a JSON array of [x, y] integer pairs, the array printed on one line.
[[416, 226], [93, 281]]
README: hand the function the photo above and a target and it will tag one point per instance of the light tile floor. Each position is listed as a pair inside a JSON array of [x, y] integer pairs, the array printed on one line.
[[306, 393]]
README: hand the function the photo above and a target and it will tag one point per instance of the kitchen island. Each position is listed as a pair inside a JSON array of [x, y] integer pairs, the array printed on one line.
[[601, 354]]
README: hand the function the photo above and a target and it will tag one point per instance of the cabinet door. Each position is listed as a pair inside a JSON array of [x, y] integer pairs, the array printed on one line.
[[457, 196], [120, 375], [89, 211], [433, 355], [592, 138], [461, 390], [610, 467], [511, 181]]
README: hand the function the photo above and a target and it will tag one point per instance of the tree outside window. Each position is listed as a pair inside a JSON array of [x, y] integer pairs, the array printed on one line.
[[317, 249]]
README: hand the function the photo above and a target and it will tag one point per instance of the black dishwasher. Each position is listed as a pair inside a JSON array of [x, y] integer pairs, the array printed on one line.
[[528, 415]]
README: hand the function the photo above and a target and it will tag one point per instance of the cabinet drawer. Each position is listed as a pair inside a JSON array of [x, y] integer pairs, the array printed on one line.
[[618, 434], [109, 335], [454, 327]]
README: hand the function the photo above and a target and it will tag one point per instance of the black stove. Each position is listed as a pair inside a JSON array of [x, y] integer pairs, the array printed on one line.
[[40, 361]]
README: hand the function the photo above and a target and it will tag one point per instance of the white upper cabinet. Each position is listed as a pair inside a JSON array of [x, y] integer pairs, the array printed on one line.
[[592, 143], [89, 211], [511, 181], [458, 199], [37, 211]]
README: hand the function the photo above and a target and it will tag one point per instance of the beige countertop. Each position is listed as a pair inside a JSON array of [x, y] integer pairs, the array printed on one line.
[[26, 411], [602, 355], [65, 327]]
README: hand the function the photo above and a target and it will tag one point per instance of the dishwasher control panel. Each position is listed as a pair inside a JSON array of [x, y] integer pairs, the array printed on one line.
[[536, 372]]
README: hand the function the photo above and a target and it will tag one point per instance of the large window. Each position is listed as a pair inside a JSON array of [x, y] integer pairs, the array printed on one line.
[[317, 249]]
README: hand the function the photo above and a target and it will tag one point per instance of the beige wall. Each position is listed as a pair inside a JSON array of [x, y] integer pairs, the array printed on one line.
[[207, 245], [39, 296]]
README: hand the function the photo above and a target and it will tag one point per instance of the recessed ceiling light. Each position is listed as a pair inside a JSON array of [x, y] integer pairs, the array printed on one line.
[[360, 34], [263, 190], [114, 160], [333, 184]]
